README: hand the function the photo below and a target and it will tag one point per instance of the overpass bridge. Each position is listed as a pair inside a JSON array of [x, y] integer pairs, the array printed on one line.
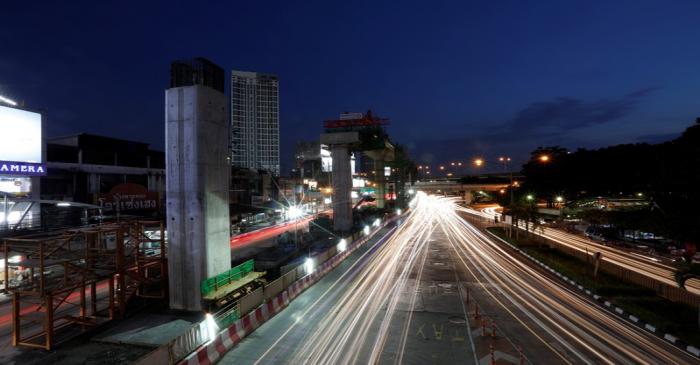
[[464, 187]]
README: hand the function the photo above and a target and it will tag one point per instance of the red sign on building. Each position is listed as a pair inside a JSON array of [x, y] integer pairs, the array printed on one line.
[[128, 197]]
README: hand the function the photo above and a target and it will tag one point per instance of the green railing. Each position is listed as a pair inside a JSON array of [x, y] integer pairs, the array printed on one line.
[[227, 319], [236, 273]]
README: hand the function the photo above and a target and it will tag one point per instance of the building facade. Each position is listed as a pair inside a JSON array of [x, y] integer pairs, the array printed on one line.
[[119, 176], [255, 137]]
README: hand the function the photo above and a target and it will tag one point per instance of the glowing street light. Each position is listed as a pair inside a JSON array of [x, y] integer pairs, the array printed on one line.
[[294, 212], [478, 162], [309, 265], [529, 197], [343, 244], [559, 199], [544, 158], [212, 327]]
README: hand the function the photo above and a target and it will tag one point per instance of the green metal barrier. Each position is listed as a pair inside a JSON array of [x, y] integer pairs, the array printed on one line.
[[228, 319], [236, 273]]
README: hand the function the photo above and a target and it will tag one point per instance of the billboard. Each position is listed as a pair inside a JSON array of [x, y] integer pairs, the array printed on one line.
[[20, 136]]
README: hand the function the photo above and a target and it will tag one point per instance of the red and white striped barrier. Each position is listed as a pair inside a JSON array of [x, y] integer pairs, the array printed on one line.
[[212, 351]]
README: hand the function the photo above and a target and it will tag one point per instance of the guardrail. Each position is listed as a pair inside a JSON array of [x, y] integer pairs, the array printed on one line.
[[276, 294]]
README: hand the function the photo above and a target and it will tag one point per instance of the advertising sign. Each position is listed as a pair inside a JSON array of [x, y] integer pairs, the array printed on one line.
[[126, 197], [22, 168], [20, 135], [20, 143]]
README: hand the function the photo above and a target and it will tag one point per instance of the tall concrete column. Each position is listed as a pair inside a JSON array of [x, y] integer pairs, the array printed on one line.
[[197, 188], [342, 177], [342, 185], [381, 182]]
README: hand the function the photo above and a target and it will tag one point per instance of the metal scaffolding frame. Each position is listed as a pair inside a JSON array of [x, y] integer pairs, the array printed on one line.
[[71, 268]]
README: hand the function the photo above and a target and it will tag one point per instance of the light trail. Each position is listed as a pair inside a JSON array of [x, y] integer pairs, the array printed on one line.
[[646, 266], [605, 336], [360, 321]]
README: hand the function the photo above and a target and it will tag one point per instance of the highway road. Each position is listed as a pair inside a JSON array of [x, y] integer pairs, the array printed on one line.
[[646, 265], [412, 297]]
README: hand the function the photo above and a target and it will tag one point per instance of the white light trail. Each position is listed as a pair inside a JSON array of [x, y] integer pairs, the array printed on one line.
[[356, 325]]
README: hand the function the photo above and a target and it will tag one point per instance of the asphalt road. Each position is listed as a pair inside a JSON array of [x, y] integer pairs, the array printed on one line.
[[642, 264], [412, 298]]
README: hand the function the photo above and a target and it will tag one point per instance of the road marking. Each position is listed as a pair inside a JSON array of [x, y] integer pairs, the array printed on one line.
[[420, 332], [438, 334]]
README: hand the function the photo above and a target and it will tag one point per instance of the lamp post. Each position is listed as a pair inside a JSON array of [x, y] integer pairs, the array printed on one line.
[[505, 161]]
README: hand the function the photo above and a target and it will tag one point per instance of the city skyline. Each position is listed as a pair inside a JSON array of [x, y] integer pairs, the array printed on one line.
[[500, 80]]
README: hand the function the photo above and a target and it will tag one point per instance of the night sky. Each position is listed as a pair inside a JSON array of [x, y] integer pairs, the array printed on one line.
[[457, 79]]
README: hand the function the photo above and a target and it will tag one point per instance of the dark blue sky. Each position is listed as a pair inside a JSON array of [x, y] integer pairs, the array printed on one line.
[[457, 79]]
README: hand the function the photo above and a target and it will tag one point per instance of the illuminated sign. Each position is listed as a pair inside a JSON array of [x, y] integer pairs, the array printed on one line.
[[22, 168], [126, 197], [326, 159], [20, 136]]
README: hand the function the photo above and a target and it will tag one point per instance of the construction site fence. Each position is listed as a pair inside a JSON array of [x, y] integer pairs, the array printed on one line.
[[180, 347]]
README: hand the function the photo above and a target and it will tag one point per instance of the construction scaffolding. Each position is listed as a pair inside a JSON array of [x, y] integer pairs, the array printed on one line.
[[81, 277]]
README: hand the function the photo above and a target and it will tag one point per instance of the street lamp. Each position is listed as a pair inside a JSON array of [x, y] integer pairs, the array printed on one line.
[[544, 158], [505, 160], [529, 197], [478, 162]]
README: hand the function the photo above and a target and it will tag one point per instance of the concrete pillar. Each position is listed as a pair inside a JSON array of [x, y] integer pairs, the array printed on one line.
[[468, 196], [342, 186], [342, 177], [197, 181], [380, 179], [93, 183]]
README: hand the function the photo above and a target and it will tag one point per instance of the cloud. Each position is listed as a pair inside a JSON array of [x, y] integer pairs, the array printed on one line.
[[540, 123], [657, 138], [564, 114]]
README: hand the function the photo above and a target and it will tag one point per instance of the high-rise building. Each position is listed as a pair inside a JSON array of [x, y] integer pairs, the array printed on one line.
[[255, 127]]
